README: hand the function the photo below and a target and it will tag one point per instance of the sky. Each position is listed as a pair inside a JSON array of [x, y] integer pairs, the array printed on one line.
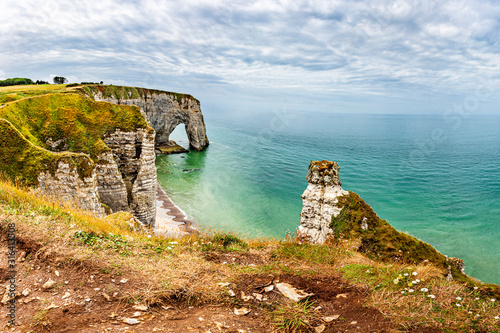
[[258, 56]]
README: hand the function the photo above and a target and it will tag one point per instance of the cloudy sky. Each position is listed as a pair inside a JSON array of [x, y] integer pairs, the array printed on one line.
[[243, 56]]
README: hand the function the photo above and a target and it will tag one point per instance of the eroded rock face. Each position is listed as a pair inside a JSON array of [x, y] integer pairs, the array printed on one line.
[[164, 111], [68, 185], [127, 180], [319, 200]]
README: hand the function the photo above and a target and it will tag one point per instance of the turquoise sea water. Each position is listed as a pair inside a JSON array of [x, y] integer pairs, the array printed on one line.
[[437, 180]]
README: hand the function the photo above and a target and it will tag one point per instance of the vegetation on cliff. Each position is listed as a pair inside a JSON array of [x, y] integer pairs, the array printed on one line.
[[123, 92], [21, 160], [220, 271], [40, 125]]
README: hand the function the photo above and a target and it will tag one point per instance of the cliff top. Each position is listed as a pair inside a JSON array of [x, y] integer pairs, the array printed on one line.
[[37, 128], [323, 173], [15, 93], [103, 266]]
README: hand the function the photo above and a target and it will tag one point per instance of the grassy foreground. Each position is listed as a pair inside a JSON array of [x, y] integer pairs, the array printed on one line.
[[205, 270]]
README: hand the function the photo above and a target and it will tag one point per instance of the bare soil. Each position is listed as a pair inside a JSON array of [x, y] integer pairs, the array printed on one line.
[[88, 298]]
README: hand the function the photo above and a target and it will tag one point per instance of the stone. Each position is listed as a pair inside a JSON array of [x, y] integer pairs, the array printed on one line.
[[269, 288], [291, 292], [245, 298], [319, 201], [131, 321], [140, 307], [49, 284], [457, 263], [330, 318], [241, 311], [319, 329], [257, 296]]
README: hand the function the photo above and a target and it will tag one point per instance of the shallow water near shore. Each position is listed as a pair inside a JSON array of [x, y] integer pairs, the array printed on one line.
[[437, 181]]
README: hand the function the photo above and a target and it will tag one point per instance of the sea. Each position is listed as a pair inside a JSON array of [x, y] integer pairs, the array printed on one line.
[[435, 177]]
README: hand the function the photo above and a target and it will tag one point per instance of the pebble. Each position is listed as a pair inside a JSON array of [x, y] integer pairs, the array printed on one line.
[[48, 284], [241, 311], [330, 318], [319, 329], [140, 307], [131, 321]]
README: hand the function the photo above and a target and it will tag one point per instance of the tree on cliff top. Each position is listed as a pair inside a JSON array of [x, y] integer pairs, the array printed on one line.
[[60, 80]]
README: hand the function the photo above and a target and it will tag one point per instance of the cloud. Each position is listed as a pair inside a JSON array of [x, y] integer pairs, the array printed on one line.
[[391, 48]]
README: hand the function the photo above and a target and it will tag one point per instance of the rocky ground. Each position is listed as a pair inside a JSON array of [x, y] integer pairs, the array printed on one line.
[[55, 295]]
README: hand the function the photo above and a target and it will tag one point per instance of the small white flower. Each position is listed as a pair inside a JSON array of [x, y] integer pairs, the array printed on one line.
[[459, 298], [431, 296], [496, 317], [493, 299], [478, 315], [417, 280], [405, 274], [368, 271], [414, 273], [414, 282], [477, 298], [411, 290], [424, 290], [396, 281], [402, 292], [149, 236], [459, 305], [476, 288], [470, 312]]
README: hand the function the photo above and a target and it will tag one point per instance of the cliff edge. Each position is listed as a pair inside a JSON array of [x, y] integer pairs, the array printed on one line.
[[163, 110], [330, 213], [99, 155]]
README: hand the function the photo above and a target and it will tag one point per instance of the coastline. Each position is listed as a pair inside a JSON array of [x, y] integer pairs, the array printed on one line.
[[170, 220]]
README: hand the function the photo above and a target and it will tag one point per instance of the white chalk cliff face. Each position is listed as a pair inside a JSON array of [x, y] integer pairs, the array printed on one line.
[[164, 111], [319, 201]]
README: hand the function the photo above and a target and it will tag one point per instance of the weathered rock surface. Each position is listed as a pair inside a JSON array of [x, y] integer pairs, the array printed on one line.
[[164, 111], [109, 164], [134, 154], [69, 186], [319, 200]]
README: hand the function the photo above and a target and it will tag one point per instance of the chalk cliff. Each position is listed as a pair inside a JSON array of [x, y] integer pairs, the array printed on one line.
[[99, 155], [329, 212], [320, 200], [163, 110]]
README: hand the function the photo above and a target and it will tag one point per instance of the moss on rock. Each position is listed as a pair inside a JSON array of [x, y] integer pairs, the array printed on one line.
[[22, 161], [379, 240], [78, 121]]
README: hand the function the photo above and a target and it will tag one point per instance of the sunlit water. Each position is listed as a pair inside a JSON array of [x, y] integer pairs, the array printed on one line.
[[435, 180]]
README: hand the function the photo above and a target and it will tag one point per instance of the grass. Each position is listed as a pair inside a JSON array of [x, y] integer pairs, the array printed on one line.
[[177, 271], [294, 317], [77, 125], [123, 92]]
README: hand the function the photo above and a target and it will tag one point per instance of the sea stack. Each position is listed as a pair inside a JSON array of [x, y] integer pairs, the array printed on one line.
[[319, 201]]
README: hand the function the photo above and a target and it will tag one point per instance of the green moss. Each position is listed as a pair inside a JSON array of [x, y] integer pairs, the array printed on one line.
[[79, 121], [22, 161], [380, 241]]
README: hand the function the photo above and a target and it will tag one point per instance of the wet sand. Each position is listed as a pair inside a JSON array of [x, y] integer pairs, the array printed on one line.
[[170, 220]]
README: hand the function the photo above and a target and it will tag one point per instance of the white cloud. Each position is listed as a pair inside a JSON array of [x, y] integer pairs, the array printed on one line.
[[392, 48]]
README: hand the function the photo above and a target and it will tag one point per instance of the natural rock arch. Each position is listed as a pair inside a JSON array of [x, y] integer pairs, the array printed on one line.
[[163, 110]]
